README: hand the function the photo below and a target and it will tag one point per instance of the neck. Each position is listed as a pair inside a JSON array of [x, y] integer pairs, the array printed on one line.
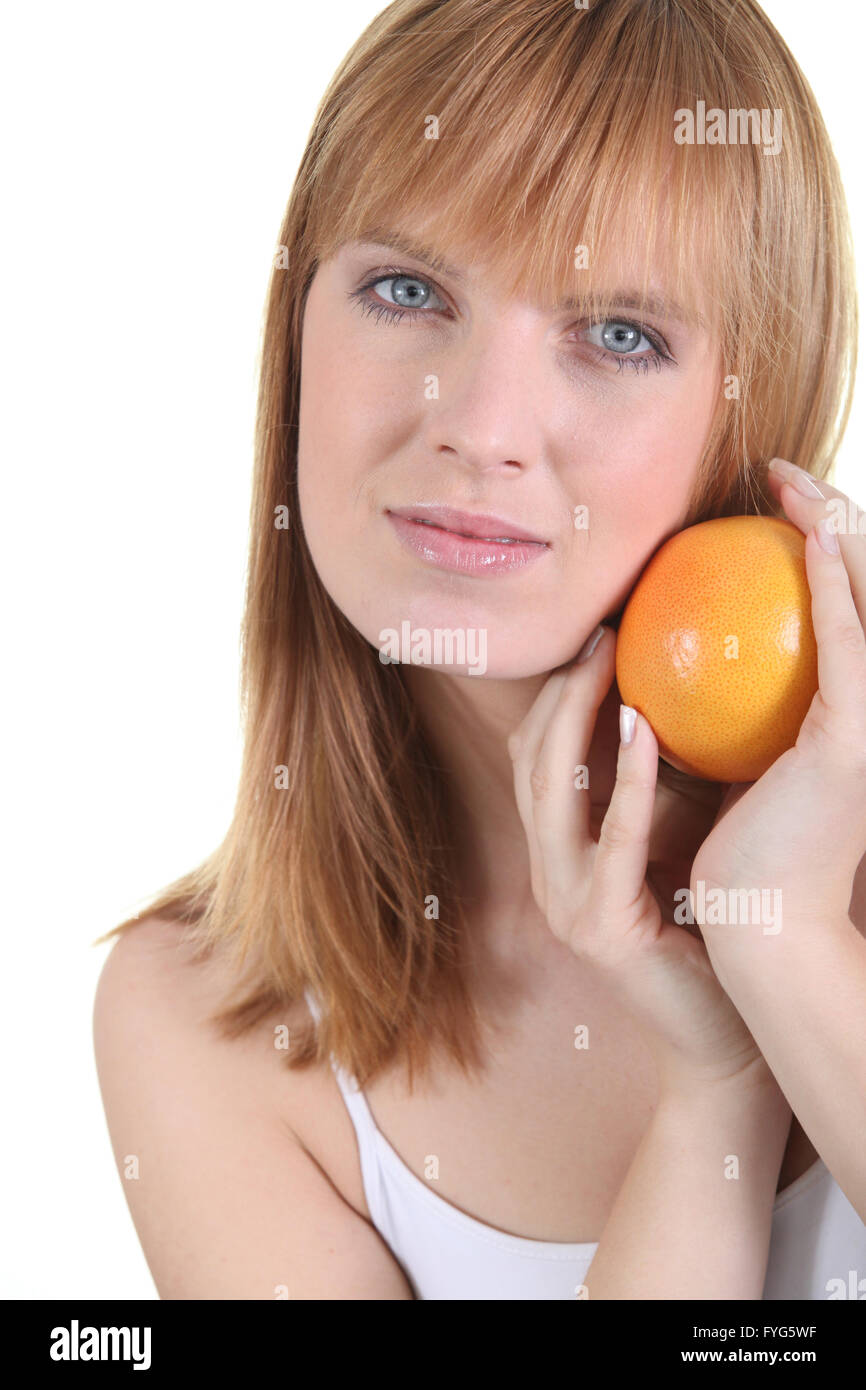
[[468, 722]]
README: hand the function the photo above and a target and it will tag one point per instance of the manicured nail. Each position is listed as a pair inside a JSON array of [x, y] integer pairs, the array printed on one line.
[[590, 644], [828, 538], [797, 477], [627, 721]]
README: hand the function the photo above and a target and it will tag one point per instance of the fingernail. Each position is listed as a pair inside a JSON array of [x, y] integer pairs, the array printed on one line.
[[828, 538], [590, 644], [797, 477], [627, 721]]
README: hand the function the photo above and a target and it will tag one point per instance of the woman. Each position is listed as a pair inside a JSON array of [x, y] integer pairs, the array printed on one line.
[[521, 329]]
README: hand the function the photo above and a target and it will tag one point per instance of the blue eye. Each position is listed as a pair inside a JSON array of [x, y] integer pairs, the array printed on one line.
[[409, 292], [618, 336], [622, 342]]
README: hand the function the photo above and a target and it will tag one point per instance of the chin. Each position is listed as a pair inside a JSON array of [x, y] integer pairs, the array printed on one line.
[[457, 649]]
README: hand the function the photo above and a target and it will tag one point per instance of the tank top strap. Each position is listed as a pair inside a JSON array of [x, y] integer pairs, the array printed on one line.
[[363, 1124]]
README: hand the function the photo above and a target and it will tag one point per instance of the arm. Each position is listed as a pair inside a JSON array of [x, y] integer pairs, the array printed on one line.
[[679, 1227], [800, 831], [803, 995]]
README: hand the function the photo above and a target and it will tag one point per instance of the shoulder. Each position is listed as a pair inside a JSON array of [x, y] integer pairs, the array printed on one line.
[[153, 1010], [149, 954], [155, 960], [226, 1199]]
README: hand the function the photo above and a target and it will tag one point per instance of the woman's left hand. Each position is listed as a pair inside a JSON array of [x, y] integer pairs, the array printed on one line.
[[801, 827]]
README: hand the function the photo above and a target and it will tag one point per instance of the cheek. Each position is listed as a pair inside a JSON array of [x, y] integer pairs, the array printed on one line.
[[329, 452], [636, 488], [353, 416], [654, 456], [345, 434]]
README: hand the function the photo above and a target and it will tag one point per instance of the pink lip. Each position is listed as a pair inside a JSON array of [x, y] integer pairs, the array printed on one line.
[[465, 542], [476, 525]]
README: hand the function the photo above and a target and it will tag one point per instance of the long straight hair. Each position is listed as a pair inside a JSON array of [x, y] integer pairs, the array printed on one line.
[[543, 137]]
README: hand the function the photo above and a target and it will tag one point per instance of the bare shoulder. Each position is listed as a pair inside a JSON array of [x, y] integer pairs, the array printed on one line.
[[155, 990], [155, 954], [226, 1201]]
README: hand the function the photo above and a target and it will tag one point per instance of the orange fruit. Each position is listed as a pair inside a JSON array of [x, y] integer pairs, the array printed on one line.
[[716, 647]]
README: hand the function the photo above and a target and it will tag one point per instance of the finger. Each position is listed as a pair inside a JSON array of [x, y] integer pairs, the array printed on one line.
[[840, 639], [561, 809], [620, 865], [806, 500], [524, 742], [523, 745]]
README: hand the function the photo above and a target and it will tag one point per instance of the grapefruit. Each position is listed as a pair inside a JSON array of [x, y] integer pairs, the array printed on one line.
[[716, 647]]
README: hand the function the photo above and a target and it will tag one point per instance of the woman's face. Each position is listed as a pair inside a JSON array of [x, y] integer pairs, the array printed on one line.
[[585, 437]]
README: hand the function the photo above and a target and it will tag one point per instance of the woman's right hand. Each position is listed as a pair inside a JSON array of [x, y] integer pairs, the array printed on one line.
[[595, 896]]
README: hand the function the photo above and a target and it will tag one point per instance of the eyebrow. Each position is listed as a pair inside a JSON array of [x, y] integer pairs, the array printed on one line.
[[381, 236], [624, 299]]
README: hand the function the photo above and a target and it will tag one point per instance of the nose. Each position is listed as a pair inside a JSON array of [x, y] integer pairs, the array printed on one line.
[[490, 405]]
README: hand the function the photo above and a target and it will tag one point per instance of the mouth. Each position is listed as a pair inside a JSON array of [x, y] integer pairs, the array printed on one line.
[[466, 542], [472, 526]]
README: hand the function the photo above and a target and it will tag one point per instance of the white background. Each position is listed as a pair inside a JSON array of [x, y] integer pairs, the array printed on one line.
[[148, 156]]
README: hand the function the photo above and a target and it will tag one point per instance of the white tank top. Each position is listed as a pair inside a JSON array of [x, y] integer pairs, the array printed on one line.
[[817, 1243]]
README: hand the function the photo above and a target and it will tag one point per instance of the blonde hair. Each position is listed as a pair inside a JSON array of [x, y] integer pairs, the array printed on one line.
[[555, 131]]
